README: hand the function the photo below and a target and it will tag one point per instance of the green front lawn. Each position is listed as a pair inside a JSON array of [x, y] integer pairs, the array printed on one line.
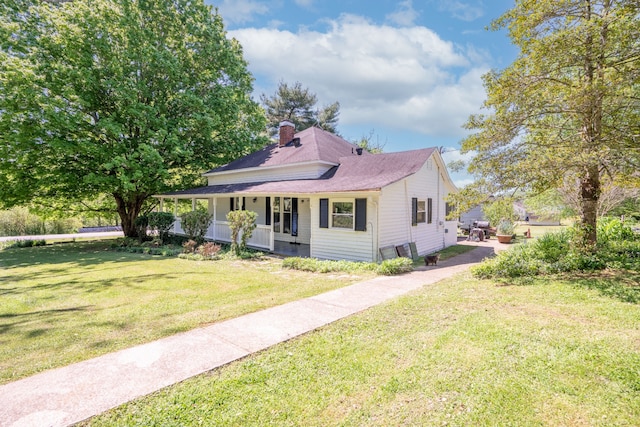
[[460, 352], [69, 302]]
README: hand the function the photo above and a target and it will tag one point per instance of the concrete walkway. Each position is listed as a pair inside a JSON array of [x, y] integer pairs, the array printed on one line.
[[67, 395]]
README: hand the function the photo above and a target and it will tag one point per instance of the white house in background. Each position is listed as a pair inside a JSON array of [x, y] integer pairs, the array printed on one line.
[[327, 198]]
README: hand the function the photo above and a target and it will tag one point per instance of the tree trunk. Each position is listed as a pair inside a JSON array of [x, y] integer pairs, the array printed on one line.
[[128, 210], [589, 195]]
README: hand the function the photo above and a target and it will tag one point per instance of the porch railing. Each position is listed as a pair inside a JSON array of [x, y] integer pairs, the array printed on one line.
[[220, 232]]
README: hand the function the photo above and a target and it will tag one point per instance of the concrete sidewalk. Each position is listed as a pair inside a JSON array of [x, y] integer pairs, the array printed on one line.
[[74, 393]]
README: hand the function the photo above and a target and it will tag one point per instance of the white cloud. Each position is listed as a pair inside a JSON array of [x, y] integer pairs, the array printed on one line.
[[405, 15], [241, 11], [465, 11], [403, 78]]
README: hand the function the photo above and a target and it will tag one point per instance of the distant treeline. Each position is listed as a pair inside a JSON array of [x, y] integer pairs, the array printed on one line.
[[19, 221]]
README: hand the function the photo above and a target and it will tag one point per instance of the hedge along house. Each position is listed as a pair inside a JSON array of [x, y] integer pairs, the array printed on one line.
[[318, 195]]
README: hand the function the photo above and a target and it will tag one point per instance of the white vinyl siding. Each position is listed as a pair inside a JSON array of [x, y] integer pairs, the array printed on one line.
[[342, 243], [309, 171], [396, 211]]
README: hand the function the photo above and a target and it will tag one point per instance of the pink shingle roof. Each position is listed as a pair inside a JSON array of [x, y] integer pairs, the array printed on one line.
[[368, 172], [315, 145]]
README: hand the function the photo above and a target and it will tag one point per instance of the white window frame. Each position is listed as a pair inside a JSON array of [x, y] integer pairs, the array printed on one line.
[[421, 216], [332, 213]]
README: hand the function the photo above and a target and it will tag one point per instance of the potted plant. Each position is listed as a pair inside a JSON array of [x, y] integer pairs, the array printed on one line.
[[505, 230]]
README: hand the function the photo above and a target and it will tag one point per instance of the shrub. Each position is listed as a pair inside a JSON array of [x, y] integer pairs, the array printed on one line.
[[516, 262], [141, 224], [551, 247], [612, 229], [22, 243], [618, 247], [326, 266], [189, 246], [242, 224], [196, 223], [391, 267], [161, 223], [209, 250]]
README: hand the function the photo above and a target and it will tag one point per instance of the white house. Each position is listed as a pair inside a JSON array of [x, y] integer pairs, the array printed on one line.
[[318, 195]]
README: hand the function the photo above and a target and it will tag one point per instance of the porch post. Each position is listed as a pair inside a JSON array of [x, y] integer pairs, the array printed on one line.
[[272, 235], [214, 203]]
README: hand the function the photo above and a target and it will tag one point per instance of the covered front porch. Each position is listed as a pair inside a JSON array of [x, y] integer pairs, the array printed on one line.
[[282, 224]]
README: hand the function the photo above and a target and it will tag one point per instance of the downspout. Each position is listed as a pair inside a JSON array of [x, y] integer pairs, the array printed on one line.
[[375, 238]]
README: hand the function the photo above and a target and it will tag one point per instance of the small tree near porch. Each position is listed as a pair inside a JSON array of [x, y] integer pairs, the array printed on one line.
[[242, 223]]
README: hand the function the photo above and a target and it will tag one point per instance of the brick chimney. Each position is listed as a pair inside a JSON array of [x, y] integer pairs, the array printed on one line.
[[287, 130]]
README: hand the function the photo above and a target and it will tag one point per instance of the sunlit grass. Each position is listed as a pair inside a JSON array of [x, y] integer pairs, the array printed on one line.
[[460, 352], [64, 303], [538, 230]]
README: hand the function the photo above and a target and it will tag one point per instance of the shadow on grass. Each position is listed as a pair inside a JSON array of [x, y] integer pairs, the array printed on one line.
[[621, 285], [78, 254], [81, 283], [16, 320]]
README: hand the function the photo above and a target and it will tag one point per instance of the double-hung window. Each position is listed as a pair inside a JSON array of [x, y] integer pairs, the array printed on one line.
[[418, 211], [342, 215], [345, 214]]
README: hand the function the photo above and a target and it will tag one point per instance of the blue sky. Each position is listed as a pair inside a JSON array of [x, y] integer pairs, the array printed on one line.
[[409, 71]]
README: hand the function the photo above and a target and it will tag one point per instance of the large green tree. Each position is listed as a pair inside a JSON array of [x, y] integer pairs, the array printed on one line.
[[568, 108], [297, 104], [118, 97]]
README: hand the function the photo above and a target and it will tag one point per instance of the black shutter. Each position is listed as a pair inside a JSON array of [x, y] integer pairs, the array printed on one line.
[[429, 210], [324, 213], [414, 211], [294, 205], [244, 203], [361, 214], [231, 203], [268, 212]]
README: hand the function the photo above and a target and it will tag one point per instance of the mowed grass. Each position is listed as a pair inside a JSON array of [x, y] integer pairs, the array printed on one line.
[[69, 302], [460, 352], [538, 230]]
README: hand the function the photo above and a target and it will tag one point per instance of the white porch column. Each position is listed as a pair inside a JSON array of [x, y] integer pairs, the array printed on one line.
[[272, 238]]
